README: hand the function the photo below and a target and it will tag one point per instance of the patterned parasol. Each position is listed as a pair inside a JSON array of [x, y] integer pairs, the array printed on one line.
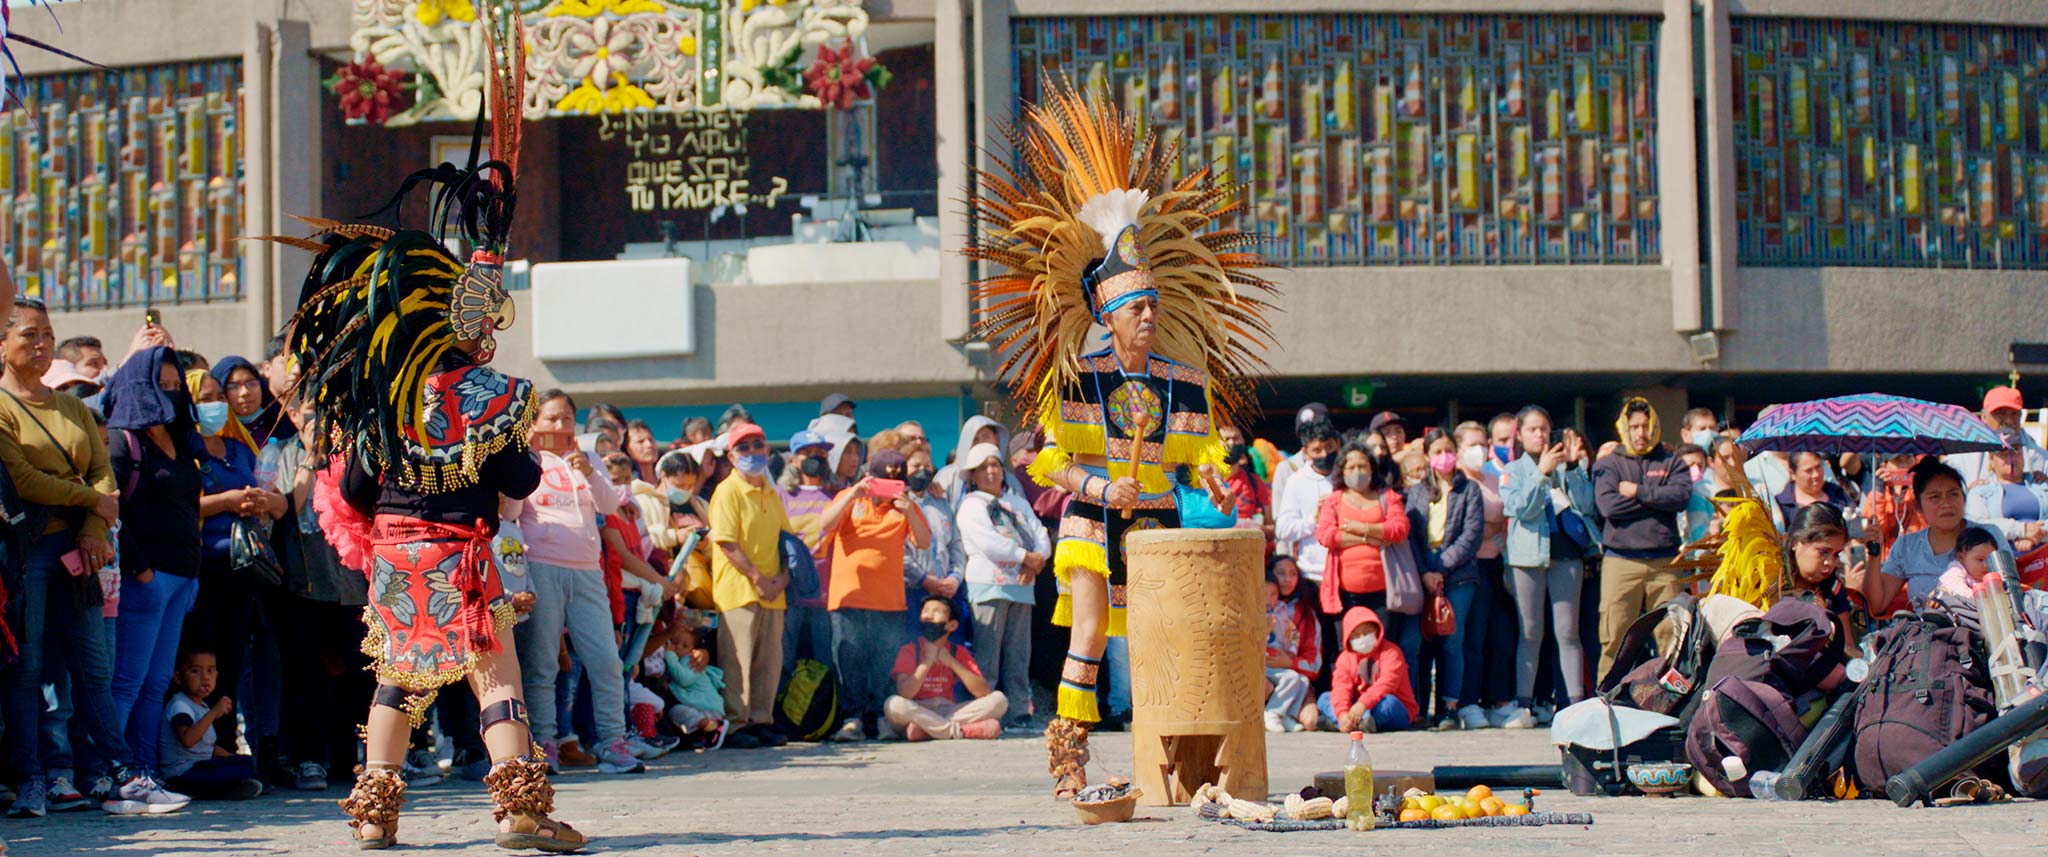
[[1871, 422]]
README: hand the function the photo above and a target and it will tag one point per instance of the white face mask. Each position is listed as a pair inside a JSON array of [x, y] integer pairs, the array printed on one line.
[[1472, 457], [1364, 645]]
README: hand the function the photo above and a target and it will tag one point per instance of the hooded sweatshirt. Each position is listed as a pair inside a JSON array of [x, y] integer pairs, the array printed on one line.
[[952, 481], [268, 422], [1370, 677], [1644, 526]]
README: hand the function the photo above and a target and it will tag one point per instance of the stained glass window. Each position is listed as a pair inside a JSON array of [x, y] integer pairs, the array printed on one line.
[[1382, 139], [1863, 143], [124, 187]]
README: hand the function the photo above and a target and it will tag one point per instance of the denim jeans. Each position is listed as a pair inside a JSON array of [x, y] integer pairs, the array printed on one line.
[[1388, 714], [151, 622], [1464, 649], [1503, 634], [575, 600], [867, 644], [1116, 661], [53, 616]]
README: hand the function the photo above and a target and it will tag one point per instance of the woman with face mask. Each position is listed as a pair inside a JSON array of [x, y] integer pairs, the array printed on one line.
[[155, 448], [1449, 512], [224, 615], [1363, 513]]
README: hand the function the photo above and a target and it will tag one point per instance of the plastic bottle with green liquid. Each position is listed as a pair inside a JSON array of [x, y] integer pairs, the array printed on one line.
[[1358, 788]]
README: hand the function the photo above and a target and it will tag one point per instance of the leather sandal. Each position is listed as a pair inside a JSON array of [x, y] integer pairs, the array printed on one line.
[[521, 794], [378, 795]]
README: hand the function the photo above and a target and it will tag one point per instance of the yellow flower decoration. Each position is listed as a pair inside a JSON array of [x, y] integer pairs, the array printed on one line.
[[594, 8], [430, 12], [620, 97], [687, 44]]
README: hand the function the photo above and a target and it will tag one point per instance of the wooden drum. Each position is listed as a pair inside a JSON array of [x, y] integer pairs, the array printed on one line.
[[1197, 624]]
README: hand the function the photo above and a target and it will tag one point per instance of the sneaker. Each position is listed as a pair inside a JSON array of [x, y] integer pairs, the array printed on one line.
[[665, 743], [1447, 723], [574, 756], [769, 736], [310, 777], [1473, 717], [423, 769], [249, 789], [552, 752], [65, 798], [915, 733], [1274, 723], [849, 732], [1544, 714], [143, 795], [645, 750], [100, 789], [1499, 715], [1521, 719], [715, 739], [471, 767], [32, 800], [980, 730], [738, 739], [615, 757]]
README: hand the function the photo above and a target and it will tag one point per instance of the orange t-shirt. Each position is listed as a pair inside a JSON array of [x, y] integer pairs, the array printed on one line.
[[1363, 570], [867, 558]]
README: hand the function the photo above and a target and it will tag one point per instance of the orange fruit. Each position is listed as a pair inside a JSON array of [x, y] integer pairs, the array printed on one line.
[[1445, 813], [1414, 814], [1479, 793], [1515, 809], [1493, 806]]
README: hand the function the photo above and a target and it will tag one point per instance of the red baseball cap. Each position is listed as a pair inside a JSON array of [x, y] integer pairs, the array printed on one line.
[[742, 432], [2004, 398]]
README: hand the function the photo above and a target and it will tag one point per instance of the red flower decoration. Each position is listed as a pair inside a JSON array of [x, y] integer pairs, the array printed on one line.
[[369, 91], [838, 78]]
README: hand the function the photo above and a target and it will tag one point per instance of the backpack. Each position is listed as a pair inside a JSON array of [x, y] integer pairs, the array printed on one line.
[[1753, 721], [1793, 647], [1642, 677], [1928, 687], [803, 570], [807, 709]]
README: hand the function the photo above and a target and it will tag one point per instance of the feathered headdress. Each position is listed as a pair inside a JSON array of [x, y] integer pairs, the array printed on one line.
[[381, 307], [1085, 222], [12, 71]]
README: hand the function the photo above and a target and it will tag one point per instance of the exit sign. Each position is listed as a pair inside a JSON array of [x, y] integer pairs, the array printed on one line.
[[1360, 395]]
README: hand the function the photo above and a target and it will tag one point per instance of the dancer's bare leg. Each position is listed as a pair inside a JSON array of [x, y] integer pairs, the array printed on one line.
[[1091, 613], [386, 731]]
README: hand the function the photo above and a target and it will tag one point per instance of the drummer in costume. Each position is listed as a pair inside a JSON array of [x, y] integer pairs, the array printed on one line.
[[1087, 242], [420, 441]]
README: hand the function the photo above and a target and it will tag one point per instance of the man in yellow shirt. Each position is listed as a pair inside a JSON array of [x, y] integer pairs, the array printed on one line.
[[747, 583]]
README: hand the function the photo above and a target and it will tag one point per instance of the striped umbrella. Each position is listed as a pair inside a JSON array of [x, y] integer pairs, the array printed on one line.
[[1871, 422]]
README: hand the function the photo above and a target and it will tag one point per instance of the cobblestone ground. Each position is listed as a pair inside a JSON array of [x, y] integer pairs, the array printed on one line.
[[992, 797]]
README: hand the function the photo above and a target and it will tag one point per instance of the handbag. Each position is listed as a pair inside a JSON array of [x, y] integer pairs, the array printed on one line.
[[250, 554], [1439, 620], [1404, 577], [37, 517]]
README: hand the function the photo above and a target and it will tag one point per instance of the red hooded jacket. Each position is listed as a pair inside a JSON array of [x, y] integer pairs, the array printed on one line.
[[1369, 677]]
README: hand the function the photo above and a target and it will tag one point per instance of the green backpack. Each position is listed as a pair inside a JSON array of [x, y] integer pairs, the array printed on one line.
[[808, 707]]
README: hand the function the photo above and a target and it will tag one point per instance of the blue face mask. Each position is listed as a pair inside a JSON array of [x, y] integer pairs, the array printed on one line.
[[678, 497], [752, 465], [212, 416], [1503, 453], [1704, 439]]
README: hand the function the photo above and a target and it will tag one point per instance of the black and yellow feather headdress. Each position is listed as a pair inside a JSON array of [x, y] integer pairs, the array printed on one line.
[[382, 306]]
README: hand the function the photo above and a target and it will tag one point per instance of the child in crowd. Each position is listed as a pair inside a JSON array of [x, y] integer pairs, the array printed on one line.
[[1369, 688], [1293, 649], [693, 686], [189, 757], [1965, 575], [927, 673]]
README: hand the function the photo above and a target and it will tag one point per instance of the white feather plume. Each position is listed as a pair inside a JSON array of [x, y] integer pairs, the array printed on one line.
[[1108, 213]]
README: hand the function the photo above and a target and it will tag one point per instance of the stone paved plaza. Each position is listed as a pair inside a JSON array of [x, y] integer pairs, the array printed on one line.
[[992, 798]]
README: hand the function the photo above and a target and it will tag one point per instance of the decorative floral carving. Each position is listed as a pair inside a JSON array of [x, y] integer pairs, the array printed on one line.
[[591, 56], [838, 78], [369, 91]]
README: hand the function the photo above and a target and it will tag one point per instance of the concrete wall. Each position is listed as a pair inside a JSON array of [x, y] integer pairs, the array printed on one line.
[[775, 343], [1344, 321], [1905, 320]]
